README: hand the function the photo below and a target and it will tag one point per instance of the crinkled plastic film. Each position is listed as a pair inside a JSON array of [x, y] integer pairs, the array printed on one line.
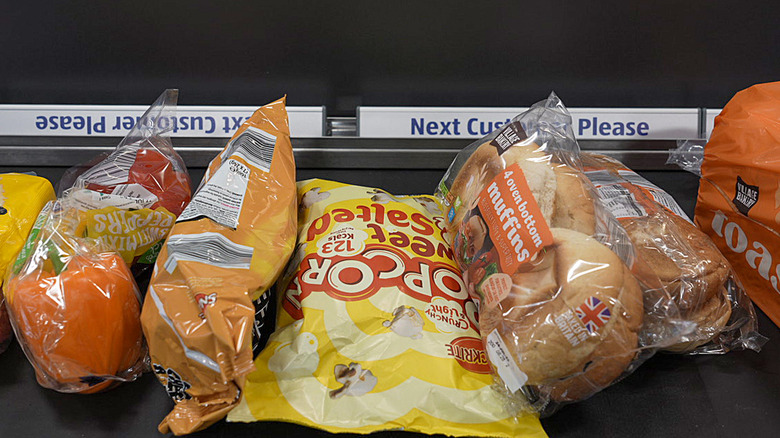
[[75, 308], [129, 199], [375, 329], [566, 308], [689, 155], [225, 251], [700, 280], [22, 197]]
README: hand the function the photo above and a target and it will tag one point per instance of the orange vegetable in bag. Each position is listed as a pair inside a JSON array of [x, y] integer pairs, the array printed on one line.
[[76, 312]]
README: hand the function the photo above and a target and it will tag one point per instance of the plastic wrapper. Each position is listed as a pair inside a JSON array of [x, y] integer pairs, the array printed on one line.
[[701, 281], [738, 203], [375, 329], [129, 199], [226, 249], [75, 308], [22, 197], [565, 307]]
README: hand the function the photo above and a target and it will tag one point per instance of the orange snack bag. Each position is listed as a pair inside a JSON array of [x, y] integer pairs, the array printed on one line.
[[224, 252], [75, 309], [738, 204]]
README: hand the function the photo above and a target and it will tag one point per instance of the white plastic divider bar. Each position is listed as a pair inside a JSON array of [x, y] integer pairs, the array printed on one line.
[[116, 120], [709, 120], [587, 123]]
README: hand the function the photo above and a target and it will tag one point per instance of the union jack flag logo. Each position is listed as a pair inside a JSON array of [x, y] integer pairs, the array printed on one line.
[[593, 314]]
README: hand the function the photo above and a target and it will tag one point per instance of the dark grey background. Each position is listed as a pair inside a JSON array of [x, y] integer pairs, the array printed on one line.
[[341, 54]]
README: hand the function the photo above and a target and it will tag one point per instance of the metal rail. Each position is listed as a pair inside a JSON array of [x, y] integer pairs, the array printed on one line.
[[335, 152]]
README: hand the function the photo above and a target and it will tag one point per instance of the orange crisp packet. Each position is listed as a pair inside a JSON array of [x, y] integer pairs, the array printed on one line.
[[225, 250]]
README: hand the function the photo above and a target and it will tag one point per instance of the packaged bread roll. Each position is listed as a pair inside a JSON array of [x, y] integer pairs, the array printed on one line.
[[209, 283], [700, 280], [562, 313]]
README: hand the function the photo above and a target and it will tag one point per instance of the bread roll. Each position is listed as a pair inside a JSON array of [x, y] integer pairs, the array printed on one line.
[[559, 189], [540, 315], [686, 261], [485, 164]]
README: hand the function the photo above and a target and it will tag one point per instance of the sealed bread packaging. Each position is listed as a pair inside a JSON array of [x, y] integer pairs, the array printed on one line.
[[564, 309], [738, 203], [75, 308], [375, 328], [128, 200], [22, 197], [700, 280], [213, 273]]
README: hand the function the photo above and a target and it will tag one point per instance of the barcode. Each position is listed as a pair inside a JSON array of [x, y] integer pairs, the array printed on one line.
[[668, 201], [601, 177], [637, 180], [620, 201], [254, 145], [114, 170], [211, 248]]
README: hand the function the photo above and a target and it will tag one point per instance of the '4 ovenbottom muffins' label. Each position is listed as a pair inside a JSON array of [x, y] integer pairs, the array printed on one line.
[[375, 328]]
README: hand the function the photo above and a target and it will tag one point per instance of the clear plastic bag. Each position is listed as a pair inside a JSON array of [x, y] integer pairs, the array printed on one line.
[[565, 309], [75, 309], [129, 199], [693, 271], [688, 155]]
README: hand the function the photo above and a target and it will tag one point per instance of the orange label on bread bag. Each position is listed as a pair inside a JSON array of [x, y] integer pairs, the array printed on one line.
[[512, 219]]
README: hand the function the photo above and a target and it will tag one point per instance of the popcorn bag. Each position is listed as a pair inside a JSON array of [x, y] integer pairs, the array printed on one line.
[[207, 299], [22, 197], [564, 308], [738, 203], [375, 329]]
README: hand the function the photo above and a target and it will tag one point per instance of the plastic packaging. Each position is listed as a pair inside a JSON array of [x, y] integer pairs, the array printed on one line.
[[75, 309], [686, 261], [129, 199], [22, 197], [565, 310], [738, 203], [226, 249], [375, 329]]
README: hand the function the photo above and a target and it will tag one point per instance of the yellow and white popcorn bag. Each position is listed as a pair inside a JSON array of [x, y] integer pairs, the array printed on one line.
[[375, 328]]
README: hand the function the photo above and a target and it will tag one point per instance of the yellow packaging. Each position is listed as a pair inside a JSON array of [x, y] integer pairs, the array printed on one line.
[[375, 328], [21, 199]]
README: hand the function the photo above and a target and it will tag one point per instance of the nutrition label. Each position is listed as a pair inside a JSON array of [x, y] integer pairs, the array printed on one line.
[[222, 197]]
